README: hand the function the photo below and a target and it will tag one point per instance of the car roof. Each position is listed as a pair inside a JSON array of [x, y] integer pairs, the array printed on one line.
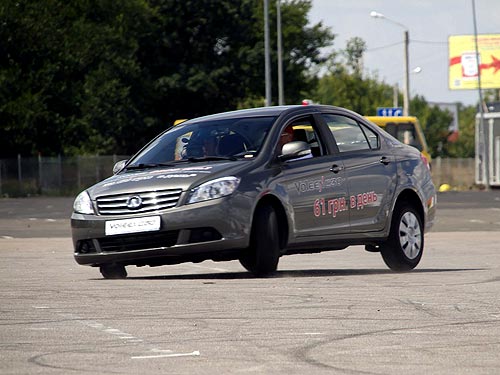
[[265, 111]]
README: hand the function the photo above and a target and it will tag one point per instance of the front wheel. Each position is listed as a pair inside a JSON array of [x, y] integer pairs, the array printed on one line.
[[113, 271], [262, 257], [405, 245]]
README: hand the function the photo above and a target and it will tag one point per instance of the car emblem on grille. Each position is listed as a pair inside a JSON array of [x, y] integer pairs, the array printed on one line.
[[134, 202]]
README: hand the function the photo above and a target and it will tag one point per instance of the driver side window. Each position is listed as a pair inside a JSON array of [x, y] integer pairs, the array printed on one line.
[[304, 130]]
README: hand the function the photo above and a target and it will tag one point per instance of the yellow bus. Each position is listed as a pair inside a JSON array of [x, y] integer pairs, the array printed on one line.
[[407, 129]]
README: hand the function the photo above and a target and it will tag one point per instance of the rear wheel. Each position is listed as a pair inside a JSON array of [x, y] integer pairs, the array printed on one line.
[[404, 247], [262, 257], [113, 271]]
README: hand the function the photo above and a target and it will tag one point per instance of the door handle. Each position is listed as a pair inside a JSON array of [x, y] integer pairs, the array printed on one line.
[[384, 160], [336, 168]]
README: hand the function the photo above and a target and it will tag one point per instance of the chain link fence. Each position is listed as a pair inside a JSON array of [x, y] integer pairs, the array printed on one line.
[[66, 176], [60, 176]]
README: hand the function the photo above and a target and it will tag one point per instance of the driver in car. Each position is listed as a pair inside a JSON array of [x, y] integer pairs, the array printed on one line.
[[286, 136]]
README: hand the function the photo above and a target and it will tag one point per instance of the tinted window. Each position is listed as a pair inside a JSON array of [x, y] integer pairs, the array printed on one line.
[[304, 130], [372, 137], [405, 133], [349, 135], [240, 137]]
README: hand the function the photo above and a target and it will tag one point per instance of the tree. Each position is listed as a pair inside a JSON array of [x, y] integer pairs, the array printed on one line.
[[302, 44], [101, 76], [68, 71], [464, 147], [435, 124], [345, 85], [354, 51]]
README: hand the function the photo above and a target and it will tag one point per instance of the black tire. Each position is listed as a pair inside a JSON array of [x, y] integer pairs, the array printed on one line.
[[113, 271], [405, 244], [262, 257]]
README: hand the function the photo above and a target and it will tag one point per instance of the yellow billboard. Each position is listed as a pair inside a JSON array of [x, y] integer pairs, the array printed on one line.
[[463, 62]]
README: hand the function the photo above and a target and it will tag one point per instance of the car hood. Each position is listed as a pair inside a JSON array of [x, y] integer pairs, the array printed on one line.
[[185, 177]]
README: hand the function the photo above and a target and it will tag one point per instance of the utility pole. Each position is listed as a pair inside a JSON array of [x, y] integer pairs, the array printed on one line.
[[281, 96], [406, 88], [481, 140], [406, 92], [267, 57]]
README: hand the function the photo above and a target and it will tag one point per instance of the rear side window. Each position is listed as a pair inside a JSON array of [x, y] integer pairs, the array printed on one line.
[[405, 133], [350, 135]]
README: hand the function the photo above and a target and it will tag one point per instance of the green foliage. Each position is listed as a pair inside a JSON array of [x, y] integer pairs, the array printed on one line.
[[345, 85], [354, 54], [361, 95], [104, 76], [464, 147], [302, 46], [67, 71], [435, 124]]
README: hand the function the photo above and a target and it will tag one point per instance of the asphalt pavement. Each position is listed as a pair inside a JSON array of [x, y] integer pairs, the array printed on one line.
[[49, 216], [340, 312]]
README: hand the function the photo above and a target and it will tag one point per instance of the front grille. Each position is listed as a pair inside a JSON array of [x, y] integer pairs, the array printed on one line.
[[138, 241], [151, 201]]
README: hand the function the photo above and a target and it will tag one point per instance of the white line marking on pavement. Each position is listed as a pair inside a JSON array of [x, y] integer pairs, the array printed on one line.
[[161, 353], [171, 355], [7, 237]]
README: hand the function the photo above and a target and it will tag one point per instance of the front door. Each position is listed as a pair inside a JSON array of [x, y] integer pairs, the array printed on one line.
[[315, 187]]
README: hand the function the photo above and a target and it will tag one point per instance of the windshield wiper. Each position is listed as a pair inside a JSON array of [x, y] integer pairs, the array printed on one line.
[[211, 158], [149, 165]]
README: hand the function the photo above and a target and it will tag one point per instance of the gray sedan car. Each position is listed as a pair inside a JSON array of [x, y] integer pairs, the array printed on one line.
[[255, 185]]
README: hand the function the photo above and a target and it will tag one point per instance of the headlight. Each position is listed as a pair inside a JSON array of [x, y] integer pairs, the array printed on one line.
[[214, 189], [83, 204]]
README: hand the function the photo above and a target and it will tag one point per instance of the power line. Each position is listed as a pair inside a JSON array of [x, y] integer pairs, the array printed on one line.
[[428, 42], [411, 40], [382, 47]]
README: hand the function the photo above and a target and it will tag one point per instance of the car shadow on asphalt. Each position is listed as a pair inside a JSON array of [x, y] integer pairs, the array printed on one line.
[[297, 274]]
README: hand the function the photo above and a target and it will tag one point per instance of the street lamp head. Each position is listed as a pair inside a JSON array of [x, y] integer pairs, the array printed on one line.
[[375, 14], [406, 92]]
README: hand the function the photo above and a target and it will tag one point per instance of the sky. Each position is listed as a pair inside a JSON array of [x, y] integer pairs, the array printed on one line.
[[429, 22]]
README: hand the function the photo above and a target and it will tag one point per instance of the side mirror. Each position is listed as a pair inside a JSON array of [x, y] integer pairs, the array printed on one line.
[[295, 150], [118, 167]]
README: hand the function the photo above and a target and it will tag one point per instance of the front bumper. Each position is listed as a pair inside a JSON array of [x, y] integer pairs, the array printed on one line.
[[215, 229]]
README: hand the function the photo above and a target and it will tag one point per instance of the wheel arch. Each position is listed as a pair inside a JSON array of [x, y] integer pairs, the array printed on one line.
[[273, 201], [411, 197]]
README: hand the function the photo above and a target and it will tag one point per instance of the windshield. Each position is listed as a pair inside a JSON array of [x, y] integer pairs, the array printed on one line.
[[227, 139]]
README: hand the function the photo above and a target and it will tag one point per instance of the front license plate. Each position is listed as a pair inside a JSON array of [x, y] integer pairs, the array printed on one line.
[[141, 224]]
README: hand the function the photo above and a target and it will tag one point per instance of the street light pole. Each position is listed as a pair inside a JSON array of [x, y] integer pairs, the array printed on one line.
[[406, 86], [267, 54], [406, 92], [281, 96]]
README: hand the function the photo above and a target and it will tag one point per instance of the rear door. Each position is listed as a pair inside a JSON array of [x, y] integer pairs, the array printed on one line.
[[370, 170]]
